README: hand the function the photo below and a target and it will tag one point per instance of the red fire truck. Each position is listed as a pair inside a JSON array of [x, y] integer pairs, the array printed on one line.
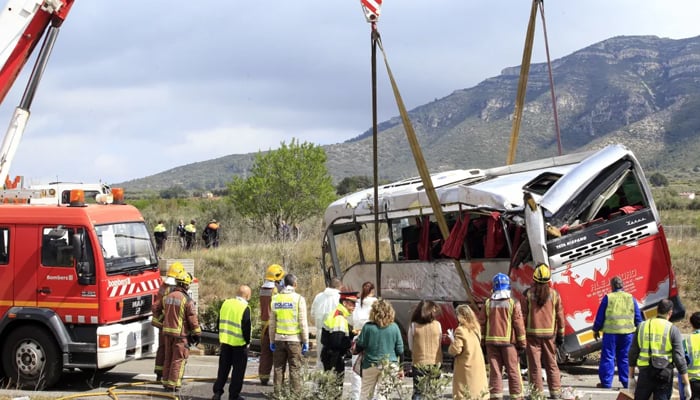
[[77, 280]]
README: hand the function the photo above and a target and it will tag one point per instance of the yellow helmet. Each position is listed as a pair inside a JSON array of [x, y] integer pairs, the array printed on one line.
[[175, 269], [274, 272], [184, 278], [542, 273]]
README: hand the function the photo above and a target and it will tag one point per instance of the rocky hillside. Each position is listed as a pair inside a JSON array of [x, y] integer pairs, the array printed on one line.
[[642, 91]]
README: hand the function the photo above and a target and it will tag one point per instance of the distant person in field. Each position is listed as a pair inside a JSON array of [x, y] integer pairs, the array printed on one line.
[[190, 234], [160, 233], [181, 233], [210, 235]]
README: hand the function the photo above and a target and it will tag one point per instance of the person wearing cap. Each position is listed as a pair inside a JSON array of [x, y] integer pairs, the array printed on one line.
[[501, 320], [190, 234], [270, 287], [165, 288], [544, 328], [336, 337], [291, 334], [210, 235], [618, 317], [324, 303]]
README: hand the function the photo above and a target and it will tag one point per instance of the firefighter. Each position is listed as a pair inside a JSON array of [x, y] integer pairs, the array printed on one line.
[[160, 233], [544, 327], [269, 288], [210, 235], [234, 337], [165, 288], [289, 326], [336, 336], [618, 317], [190, 234], [180, 330], [502, 321]]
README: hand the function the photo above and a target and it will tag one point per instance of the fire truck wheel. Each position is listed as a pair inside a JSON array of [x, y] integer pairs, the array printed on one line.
[[30, 357]]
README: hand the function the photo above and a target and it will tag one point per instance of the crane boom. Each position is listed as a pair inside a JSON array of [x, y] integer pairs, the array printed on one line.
[[22, 25]]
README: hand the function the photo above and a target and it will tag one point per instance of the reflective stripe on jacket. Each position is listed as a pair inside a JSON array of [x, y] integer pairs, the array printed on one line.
[[503, 322], [179, 314], [337, 320], [654, 341], [545, 321], [619, 314], [692, 349], [230, 317], [286, 309]]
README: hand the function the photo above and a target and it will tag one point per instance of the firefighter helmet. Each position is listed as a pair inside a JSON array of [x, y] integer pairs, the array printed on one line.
[[274, 272], [501, 282], [542, 273], [184, 279], [175, 269]]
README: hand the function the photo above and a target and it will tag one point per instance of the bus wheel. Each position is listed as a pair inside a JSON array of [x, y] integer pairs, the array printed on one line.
[[30, 358]]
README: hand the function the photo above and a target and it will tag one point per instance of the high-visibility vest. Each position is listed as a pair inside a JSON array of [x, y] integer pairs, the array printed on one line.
[[337, 320], [619, 315], [692, 349], [286, 309], [230, 316], [653, 339], [190, 228], [159, 228]]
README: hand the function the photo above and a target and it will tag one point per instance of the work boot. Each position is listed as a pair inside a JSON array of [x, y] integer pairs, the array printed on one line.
[[216, 397], [264, 381]]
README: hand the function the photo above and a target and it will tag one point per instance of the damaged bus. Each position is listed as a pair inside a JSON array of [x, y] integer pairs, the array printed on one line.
[[589, 216]]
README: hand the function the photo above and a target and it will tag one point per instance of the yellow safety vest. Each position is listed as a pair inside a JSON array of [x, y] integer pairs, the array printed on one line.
[[159, 228], [653, 339], [692, 349], [230, 330], [619, 315], [286, 309], [337, 320]]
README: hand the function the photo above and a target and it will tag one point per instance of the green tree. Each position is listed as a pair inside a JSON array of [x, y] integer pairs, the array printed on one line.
[[657, 179], [290, 184], [352, 184]]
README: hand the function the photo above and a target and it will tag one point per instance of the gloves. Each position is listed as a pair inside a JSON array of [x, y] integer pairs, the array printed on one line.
[[304, 349], [632, 385], [688, 393], [596, 335], [559, 340], [272, 347], [194, 340], [451, 335]]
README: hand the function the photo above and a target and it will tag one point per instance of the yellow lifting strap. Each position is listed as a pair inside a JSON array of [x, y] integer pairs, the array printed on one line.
[[522, 83], [422, 167]]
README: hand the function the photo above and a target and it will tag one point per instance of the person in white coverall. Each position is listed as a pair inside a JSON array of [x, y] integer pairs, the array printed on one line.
[[359, 317], [324, 303]]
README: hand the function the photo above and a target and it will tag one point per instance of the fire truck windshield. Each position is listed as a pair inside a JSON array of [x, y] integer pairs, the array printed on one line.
[[126, 247]]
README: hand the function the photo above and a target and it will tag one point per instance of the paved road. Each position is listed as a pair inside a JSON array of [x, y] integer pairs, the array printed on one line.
[[202, 369]]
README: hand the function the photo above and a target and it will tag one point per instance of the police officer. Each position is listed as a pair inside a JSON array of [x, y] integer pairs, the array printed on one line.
[[271, 286], [165, 288], [544, 327], [160, 233], [234, 337], [288, 324], [692, 353], [618, 317], [180, 329], [190, 234], [336, 336], [657, 337], [502, 321]]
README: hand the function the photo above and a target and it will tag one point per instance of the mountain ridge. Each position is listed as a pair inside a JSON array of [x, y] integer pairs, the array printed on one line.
[[642, 91]]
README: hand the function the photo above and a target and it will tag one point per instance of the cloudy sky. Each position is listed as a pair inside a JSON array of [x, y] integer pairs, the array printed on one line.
[[137, 87]]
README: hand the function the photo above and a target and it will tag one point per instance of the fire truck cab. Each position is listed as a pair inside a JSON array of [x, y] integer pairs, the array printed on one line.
[[76, 289]]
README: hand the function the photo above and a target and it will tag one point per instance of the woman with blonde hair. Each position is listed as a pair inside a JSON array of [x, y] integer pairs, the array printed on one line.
[[380, 339], [469, 365]]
